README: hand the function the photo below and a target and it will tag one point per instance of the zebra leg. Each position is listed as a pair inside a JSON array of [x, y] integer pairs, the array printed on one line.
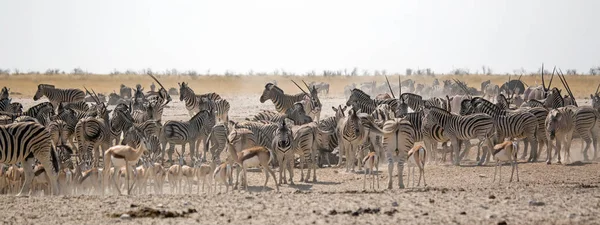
[[467, 149], [588, 141], [524, 154], [558, 148], [390, 160], [486, 151], [193, 155], [567, 153], [28, 171], [549, 148], [401, 158], [282, 167], [170, 152], [455, 149], [290, 166], [534, 148], [314, 163]]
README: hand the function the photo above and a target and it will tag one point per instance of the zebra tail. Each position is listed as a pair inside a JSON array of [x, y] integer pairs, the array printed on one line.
[[54, 160]]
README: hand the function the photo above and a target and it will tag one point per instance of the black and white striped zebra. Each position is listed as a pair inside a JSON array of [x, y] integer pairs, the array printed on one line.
[[460, 128], [220, 106], [56, 95], [192, 101], [416, 102], [283, 142], [327, 136], [360, 100], [93, 134], [153, 111], [564, 123], [283, 102], [187, 132], [554, 99], [352, 135], [19, 142], [398, 139], [514, 124]]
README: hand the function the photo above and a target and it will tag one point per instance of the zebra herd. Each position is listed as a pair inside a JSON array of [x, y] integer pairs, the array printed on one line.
[[68, 146]]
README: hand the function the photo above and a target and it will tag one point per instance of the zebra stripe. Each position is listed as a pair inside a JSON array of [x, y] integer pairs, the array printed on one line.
[[458, 128], [282, 101], [360, 100], [220, 106], [192, 101], [283, 146], [92, 133], [516, 124], [187, 132], [19, 142], [56, 96]]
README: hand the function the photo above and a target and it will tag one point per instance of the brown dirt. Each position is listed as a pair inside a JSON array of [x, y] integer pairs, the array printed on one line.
[[545, 194]]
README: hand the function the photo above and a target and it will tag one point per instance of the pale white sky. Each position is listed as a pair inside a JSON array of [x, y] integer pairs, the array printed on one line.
[[299, 36]]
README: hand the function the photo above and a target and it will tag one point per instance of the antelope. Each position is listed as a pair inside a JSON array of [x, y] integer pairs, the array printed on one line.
[[252, 157], [120, 156], [223, 174], [371, 161], [174, 175], [506, 152], [203, 173]]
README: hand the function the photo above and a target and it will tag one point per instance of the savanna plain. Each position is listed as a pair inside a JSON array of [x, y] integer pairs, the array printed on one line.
[[544, 194]]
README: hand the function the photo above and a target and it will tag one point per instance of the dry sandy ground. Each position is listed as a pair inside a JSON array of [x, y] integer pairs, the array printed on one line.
[[545, 194]]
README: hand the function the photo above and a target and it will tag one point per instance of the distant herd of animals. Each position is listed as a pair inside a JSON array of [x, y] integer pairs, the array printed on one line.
[[74, 144]]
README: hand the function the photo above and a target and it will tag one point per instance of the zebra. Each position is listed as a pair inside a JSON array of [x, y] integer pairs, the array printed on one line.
[[56, 95], [187, 132], [459, 128], [39, 112], [284, 102], [192, 101], [20, 141], [283, 141], [80, 106], [360, 100], [153, 111], [59, 132], [221, 107], [94, 134], [540, 113], [398, 139], [352, 134], [218, 138], [516, 124], [582, 120], [327, 137], [297, 115], [416, 102], [305, 144], [554, 99]]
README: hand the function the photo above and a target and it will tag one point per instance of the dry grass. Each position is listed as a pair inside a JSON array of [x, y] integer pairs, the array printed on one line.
[[581, 85]]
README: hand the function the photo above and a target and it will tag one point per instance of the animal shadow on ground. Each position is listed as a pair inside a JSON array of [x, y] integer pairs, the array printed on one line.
[[578, 163]]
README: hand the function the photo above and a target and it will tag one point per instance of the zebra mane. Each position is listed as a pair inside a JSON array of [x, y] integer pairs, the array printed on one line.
[[435, 108], [360, 93], [411, 95], [200, 113], [46, 86]]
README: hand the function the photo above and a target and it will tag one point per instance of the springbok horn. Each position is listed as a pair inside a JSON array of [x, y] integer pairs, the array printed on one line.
[[390, 86], [299, 87]]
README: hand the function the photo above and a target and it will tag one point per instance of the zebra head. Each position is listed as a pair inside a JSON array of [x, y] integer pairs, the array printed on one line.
[[554, 99], [269, 93], [41, 91], [184, 90], [283, 136], [357, 95], [339, 112], [353, 122], [555, 120]]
